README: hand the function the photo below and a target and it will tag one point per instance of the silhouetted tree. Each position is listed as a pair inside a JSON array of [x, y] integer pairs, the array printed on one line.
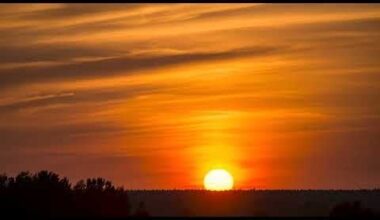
[[3, 182], [98, 197], [80, 186], [45, 194]]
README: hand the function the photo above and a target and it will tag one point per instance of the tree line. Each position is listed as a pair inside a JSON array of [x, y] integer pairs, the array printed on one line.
[[46, 194]]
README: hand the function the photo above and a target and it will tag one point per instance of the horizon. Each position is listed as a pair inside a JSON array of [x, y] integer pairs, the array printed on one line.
[[160, 96], [202, 189]]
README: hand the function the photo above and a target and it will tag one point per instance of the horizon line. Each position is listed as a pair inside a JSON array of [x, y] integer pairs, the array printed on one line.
[[253, 189]]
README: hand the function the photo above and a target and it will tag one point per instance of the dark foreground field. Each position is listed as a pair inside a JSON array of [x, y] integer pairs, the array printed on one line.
[[46, 194], [258, 203]]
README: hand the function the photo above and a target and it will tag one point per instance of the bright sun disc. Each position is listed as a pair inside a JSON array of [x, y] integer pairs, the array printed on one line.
[[218, 180]]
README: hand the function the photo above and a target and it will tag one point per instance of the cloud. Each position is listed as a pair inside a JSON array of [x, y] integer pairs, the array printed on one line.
[[58, 136], [78, 10], [43, 53], [36, 101], [75, 97], [125, 65]]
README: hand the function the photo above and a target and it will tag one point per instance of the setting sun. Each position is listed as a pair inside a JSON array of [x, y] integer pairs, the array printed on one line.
[[218, 180]]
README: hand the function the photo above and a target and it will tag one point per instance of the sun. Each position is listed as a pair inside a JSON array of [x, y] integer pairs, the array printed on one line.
[[218, 180]]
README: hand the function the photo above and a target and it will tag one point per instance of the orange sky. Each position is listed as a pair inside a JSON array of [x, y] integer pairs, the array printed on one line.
[[155, 95]]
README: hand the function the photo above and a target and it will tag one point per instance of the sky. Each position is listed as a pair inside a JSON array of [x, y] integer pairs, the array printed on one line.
[[152, 96]]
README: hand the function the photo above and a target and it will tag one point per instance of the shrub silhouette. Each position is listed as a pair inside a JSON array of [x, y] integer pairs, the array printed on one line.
[[45, 194], [141, 211], [348, 209]]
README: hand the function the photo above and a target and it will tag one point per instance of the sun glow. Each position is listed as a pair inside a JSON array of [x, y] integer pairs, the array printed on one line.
[[218, 180]]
